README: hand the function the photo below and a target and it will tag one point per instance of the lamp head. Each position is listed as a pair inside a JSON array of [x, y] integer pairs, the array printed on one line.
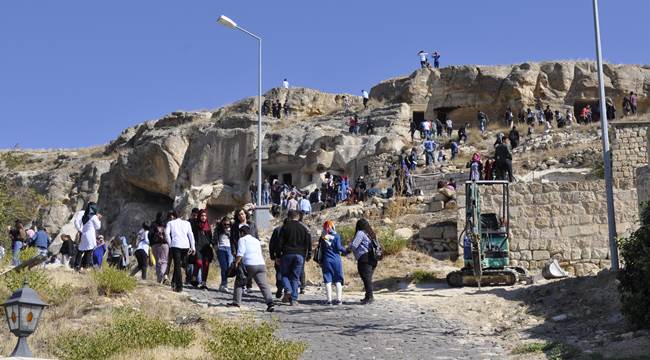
[[227, 22]]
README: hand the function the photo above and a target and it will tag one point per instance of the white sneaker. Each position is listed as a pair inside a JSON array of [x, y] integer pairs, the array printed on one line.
[[224, 289]]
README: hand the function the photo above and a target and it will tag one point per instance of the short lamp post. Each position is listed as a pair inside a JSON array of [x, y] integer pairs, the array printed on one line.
[[23, 310]]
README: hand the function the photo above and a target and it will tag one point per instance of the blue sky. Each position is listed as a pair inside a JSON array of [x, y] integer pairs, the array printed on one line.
[[76, 72]]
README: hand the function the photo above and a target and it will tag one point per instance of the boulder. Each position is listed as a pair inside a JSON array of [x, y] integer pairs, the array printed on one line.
[[404, 233]]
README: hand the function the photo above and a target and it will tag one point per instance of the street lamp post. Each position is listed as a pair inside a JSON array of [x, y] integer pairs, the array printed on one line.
[[262, 213], [607, 158]]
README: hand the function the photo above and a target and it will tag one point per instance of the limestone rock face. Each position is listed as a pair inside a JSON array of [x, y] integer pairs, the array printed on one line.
[[153, 165], [460, 90]]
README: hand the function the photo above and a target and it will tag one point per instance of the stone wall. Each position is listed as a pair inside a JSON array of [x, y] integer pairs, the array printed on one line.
[[643, 177], [439, 240], [629, 151], [563, 220]]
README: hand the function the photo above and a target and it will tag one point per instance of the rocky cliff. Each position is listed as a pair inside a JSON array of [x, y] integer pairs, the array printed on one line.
[[459, 91], [207, 158]]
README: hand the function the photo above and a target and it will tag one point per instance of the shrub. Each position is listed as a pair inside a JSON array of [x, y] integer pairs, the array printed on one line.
[[634, 286], [598, 169], [111, 281], [27, 253], [420, 276], [391, 243], [553, 350], [249, 340], [347, 234], [16, 203], [129, 330], [36, 278]]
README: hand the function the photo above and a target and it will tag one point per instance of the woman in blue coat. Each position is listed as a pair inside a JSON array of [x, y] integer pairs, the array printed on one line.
[[330, 262]]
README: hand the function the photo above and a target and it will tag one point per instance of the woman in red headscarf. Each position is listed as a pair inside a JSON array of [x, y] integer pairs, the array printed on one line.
[[204, 252]]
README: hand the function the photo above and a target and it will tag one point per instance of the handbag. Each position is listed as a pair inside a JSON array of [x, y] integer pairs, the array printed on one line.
[[318, 252]]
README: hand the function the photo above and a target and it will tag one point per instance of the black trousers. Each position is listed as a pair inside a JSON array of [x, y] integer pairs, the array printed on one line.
[[83, 259], [366, 269], [143, 263], [502, 168], [179, 259]]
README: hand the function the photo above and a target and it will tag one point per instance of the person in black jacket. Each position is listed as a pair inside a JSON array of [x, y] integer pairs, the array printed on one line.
[[503, 161], [276, 255], [295, 248], [513, 136]]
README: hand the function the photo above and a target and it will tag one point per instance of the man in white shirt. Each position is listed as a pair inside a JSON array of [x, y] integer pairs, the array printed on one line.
[[179, 236], [423, 59], [285, 84], [366, 97], [305, 207]]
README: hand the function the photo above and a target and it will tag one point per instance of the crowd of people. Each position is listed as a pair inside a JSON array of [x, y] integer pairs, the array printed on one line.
[[186, 248]]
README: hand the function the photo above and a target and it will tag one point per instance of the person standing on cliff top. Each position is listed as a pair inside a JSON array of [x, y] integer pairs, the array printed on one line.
[[424, 63], [436, 59], [285, 84], [366, 97]]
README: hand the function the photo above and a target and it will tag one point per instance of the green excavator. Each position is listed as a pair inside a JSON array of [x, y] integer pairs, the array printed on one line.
[[486, 240]]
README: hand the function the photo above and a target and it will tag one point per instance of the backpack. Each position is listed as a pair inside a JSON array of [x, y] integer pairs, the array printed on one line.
[[375, 251], [157, 235]]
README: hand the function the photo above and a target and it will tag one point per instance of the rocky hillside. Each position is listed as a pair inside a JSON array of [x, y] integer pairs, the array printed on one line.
[[197, 159]]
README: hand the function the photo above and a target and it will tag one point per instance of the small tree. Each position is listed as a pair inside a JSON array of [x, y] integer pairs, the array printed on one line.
[[634, 279]]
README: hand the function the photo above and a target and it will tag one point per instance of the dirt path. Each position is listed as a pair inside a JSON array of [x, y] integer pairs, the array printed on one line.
[[394, 327]]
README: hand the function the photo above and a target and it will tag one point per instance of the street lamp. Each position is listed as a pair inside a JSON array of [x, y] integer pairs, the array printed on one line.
[[23, 310], [607, 155], [262, 213]]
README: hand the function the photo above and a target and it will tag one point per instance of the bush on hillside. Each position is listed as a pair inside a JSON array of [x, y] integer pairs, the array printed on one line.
[[129, 330], [111, 281], [16, 203], [634, 279], [347, 234], [390, 242], [250, 340]]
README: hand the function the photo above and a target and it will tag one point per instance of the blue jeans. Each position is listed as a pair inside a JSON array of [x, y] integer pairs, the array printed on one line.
[[224, 256], [429, 155], [291, 267], [15, 249], [265, 197]]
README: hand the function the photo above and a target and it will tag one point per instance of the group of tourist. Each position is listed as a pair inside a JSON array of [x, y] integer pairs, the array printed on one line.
[[173, 244], [275, 108], [424, 61], [23, 237]]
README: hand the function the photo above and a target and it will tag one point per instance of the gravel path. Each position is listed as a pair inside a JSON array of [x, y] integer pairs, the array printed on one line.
[[386, 329]]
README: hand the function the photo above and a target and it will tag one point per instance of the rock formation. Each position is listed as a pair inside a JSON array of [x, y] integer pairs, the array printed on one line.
[[207, 158], [459, 91]]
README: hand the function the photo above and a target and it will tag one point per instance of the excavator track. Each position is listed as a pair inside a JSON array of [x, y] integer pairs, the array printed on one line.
[[505, 277]]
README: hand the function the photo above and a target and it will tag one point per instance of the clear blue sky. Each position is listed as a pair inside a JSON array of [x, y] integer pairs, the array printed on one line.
[[76, 72]]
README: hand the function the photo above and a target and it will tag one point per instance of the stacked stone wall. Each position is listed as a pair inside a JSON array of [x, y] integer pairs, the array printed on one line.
[[629, 151], [562, 220]]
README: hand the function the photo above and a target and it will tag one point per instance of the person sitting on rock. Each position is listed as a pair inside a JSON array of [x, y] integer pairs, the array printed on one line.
[[530, 117], [441, 156]]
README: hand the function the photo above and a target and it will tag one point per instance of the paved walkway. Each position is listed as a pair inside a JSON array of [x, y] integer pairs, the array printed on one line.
[[386, 329]]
